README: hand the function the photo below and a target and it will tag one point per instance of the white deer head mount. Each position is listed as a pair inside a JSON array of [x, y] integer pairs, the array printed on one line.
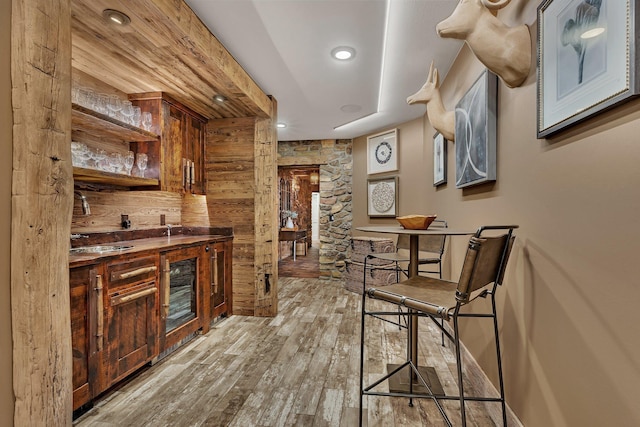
[[504, 50], [443, 121]]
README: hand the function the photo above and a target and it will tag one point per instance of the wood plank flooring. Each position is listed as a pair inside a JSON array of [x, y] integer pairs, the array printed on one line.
[[300, 368], [304, 266]]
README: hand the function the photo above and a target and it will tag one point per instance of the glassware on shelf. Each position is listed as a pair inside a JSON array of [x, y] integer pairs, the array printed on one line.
[[115, 105], [147, 120], [102, 103], [127, 112], [141, 162], [128, 162], [116, 160], [136, 119]]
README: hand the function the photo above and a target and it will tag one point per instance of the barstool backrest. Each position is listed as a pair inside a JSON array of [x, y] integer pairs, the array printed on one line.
[[426, 243]]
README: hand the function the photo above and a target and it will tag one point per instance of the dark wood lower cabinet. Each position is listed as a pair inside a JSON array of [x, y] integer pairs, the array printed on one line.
[[83, 284], [129, 309], [220, 278], [131, 321]]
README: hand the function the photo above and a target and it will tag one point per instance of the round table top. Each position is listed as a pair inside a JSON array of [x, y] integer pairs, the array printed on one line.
[[397, 229]]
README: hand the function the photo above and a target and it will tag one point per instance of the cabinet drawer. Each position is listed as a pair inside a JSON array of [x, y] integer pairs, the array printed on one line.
[[127, 273]]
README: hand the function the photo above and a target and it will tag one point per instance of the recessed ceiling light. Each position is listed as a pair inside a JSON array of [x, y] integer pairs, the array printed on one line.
[[220, 98], [343, 53], [351, 108], [281, 125], [116, 17]]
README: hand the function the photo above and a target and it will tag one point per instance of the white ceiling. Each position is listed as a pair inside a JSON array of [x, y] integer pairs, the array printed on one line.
[[285, 47]]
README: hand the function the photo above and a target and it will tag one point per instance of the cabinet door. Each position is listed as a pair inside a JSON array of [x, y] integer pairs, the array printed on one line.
[[195, 154], [132, 315], [220, 279], [180, 284], [85, 285], [173, 136]]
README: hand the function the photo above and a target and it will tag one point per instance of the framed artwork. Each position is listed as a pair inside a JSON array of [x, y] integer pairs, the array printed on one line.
[[587, 56], [382, 197], [475, 117], [439, 159], [382, 152]]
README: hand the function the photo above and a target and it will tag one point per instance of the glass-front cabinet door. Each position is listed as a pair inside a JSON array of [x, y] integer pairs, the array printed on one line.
[[179, 314]]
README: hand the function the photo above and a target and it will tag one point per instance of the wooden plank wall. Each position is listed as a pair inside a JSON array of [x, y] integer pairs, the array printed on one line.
[[229, 169], [143, 207], [266, 212], [42, 193]]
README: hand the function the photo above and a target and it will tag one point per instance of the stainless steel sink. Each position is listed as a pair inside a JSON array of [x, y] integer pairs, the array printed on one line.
[[99, 249]]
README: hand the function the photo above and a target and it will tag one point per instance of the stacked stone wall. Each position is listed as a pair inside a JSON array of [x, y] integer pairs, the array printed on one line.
[[335, 161]]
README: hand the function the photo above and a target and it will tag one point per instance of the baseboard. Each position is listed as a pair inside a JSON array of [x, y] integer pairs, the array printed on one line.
[[485, 387]]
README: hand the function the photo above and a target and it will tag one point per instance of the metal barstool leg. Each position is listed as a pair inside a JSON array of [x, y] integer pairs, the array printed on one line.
[[362, 314], [456, 331], [441, 320], [499, 359]]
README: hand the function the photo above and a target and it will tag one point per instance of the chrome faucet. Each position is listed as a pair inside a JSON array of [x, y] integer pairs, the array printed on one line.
[[168, 230], [86, 210]]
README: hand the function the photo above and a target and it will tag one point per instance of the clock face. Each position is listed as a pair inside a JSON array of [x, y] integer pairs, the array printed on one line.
[[383, 152]]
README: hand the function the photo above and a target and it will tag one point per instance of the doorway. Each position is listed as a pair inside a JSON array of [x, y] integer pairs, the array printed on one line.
[[299, 215]]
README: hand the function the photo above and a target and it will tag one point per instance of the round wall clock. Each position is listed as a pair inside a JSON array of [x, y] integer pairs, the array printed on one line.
[[383, 152]]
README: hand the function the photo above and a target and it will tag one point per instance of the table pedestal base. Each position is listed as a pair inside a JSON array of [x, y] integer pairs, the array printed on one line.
[[399, 383]]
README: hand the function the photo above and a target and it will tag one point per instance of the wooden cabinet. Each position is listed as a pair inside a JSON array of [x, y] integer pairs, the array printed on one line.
[[131, 321], [85, 286], [182, 134], [121, 319], [181, 311], [219, 279]]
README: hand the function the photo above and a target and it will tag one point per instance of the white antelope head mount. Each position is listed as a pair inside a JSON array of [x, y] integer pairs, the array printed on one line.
[[504, 50], [443, 121]]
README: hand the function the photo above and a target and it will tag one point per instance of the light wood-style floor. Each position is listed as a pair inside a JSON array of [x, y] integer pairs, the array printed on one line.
[[297, 369]]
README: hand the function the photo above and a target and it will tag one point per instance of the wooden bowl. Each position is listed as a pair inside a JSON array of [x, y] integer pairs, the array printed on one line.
[[416, 222]]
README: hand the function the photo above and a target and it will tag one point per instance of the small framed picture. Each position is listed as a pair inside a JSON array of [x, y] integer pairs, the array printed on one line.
[[439, 159], [382, 197], [382, 152]]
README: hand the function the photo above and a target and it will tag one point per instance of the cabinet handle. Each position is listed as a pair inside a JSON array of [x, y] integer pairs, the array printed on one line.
[[99, 313], [193, 173], [121, 299], [214, 257], [133, 273], [166, 289], [184, 173]]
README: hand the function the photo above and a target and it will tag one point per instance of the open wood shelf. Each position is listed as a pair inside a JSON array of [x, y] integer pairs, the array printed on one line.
[[102, 177], [101, 126]]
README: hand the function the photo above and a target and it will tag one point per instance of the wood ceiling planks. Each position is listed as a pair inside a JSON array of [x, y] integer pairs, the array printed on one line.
[[165, 48]]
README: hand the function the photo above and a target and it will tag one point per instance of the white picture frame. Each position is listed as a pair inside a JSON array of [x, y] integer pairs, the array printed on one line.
[[382, 197], [382, 152], [439, 159]]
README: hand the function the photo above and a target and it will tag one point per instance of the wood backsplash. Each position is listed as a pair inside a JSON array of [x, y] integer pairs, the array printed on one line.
[[143, 208]]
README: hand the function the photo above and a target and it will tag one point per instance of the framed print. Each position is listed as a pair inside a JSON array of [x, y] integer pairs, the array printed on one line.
[[382, 152], [475, 117], [439, 159], [382, 197], [587, 56]]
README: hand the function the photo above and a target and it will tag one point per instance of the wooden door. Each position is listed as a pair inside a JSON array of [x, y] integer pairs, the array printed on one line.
[[180, 296], [220, 279], [173, 136], [195, 154], [85, 285], [131, 302]]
